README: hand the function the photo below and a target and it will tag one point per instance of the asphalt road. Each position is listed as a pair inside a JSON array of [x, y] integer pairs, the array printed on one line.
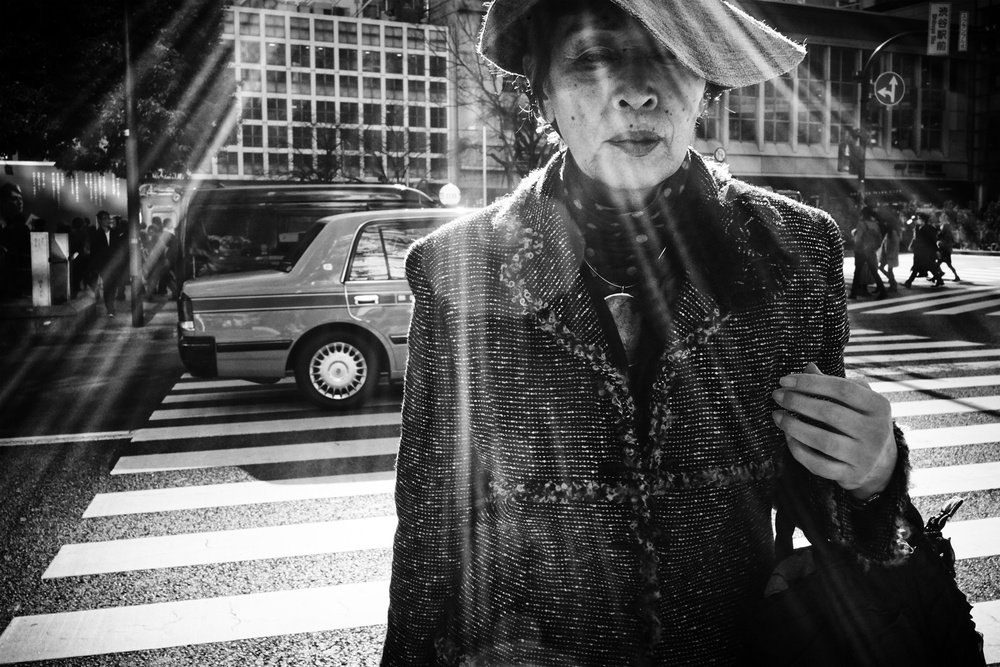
[[225, 523]]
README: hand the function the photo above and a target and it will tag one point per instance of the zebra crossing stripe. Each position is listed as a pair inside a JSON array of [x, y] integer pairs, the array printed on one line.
[[945, 406], [854, 348], [191, 622], [261, 427], [919, 356], [228, 410], [220, 458], [174, 499], [923, 369], [918, 301], [935, 384], [191, 383], [223, 546], [953, 436], [875, 336], [191, 397], [958, 310], [951, 480]]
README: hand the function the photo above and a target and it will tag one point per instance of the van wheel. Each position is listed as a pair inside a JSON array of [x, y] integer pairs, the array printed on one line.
[[337, 370]]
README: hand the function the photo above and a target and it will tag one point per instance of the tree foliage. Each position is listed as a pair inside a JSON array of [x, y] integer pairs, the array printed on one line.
[[62, 83]]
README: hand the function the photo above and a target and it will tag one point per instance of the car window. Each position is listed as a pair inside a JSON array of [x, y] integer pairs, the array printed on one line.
[[380, 252], [295, 254]]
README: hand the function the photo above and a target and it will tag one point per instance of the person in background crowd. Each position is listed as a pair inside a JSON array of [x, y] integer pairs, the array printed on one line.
[[107, 261], [945, 244], [161, 279], [78, 256], [924, 249], [15, 244], [617, 370], [888, 252], [867, 238]]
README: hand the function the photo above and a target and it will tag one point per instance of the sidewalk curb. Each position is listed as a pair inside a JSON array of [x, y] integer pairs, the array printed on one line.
[[82, 320]]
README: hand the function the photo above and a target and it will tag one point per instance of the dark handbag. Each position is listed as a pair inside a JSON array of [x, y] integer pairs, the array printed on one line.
[[823, 608]]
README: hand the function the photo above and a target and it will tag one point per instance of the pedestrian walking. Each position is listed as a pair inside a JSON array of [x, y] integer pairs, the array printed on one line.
[[888, 252], [945, 244], [107, 261], [616, 371], [867, 239], [924, 249]]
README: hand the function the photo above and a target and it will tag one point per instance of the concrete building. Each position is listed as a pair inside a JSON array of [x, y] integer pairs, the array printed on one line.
[[347, 89]]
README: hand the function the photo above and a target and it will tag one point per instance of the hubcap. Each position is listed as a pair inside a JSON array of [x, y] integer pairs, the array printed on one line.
[[338, 370]]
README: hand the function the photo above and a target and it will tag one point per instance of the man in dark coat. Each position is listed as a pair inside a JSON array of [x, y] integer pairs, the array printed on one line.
[[924, 247], [107, 260]]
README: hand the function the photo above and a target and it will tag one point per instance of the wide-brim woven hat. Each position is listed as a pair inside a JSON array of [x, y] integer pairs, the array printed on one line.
[[713, 38]]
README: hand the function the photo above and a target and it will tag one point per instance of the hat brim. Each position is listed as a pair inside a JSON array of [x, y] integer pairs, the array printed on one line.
[[713, 38]]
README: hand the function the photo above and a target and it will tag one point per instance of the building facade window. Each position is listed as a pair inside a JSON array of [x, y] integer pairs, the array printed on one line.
[[349, 86], [844, 94], [709, 123], [394, 114], [326, 85], [417, 142], [326, 112], [901, 118], [277, 163], [418, 117], [439, 117], [350, 139], [417, 91], [393, 37], [250, 52], [933, 87], [228, 23], [228, 162], [253, 164], [253, 135], [439, 142], [249, 24], [348, 60], [274, 26], [372, 88], [326, 138], [393, 62], [743, 114], [251, 80], [325, 58], [372, 141], [277, 137], [298, 55], [439, 168], [415, 39], [298, 28], [438, 66], [252, 109], [276, 54], [393, 89], [778, 109], [415, 64], [371, 35], [439, 92], [372, 114], [302, 111], [302, 163], [324, 31], [302, 137], [277, 108], [811, 97], [347, 32], [301, 83], [371, 61], [349, 113]]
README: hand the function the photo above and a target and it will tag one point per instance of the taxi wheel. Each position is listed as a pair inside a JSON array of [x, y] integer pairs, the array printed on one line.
[[337, 370]]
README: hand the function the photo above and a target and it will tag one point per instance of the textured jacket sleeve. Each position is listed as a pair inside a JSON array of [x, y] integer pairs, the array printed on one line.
[[872, 532], [432, 501]]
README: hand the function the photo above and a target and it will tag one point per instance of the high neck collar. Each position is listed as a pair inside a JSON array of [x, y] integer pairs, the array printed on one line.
[[596, 197]]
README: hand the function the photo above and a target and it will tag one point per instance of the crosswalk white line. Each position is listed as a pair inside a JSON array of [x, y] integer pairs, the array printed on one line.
[[191, 622], [953, 436], [954, 480], [987, 618], [918, 301], [195, 397], [935, 384], [229, 410], [940, 406], [180, 498], [191, 383], [919, 356], [261, 427], [856, 348], [220, 458], [222, 546], [874, 336], [925, 369], [958, 310]]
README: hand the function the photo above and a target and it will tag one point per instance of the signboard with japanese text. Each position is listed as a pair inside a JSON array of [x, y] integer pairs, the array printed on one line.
[[938, 28], [963, 31]]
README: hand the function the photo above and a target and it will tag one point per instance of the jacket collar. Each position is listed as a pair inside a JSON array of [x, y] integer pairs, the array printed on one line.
[[739, 253]]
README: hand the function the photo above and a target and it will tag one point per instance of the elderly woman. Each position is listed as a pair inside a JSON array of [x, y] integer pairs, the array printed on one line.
[[618, 370]]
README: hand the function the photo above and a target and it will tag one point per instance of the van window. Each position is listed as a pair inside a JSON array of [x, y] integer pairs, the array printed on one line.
[[380, 253]]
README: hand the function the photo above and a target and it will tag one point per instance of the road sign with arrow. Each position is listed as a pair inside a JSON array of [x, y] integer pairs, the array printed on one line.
[[889, 88]]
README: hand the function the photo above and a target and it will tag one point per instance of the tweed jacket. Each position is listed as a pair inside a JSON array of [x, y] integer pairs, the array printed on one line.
[[537, 526]]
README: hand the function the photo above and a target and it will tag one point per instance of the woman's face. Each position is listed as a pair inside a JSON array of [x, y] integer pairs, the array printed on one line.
[[623, 104]]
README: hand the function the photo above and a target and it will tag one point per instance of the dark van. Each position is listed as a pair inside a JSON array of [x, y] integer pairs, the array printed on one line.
[[251, 227]]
